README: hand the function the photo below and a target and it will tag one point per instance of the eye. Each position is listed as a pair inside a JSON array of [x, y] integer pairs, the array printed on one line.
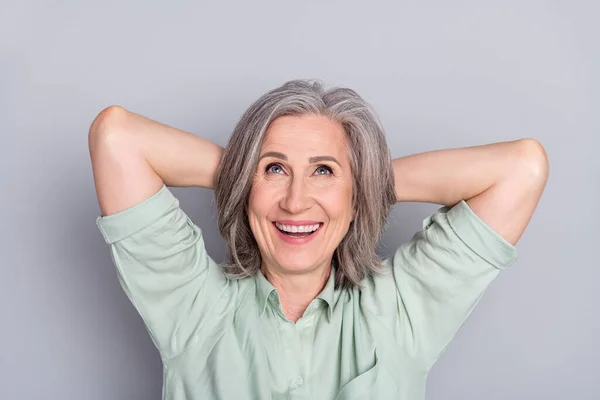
[[274, 168], [323, 170]]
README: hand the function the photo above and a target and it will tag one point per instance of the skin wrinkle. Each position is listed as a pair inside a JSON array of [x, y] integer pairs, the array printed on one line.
[[311, 160], [294, 191], [370, 171]]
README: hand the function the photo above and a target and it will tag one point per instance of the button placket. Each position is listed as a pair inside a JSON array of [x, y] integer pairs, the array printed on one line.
[[291, 343], [304, 334]]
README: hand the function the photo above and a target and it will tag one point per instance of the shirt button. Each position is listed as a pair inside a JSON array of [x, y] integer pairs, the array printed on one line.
[[298, 381]]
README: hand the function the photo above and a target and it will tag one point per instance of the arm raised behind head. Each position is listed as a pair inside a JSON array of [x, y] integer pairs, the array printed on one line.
[[133, 156], [501, 182]]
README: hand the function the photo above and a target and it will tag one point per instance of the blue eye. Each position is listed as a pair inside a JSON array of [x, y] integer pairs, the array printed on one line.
[[323, 168], [274, 167]]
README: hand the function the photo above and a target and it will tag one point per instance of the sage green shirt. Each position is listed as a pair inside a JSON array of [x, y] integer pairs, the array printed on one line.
[[228, 339]]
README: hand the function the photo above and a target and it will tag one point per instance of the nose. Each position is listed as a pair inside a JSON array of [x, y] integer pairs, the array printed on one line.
[[297, 197]]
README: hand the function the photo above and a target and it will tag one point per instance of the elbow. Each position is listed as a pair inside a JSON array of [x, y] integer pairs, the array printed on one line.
[[534, 159], [107, 124]]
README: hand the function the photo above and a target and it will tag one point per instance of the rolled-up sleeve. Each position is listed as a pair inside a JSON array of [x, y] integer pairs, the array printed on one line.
[[164, 269], [440, 276]]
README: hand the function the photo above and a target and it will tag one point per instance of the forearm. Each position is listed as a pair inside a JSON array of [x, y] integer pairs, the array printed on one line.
[[179, 158], [450, 175]]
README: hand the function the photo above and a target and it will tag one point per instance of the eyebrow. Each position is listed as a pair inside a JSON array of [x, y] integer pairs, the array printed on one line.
[[311, 160]]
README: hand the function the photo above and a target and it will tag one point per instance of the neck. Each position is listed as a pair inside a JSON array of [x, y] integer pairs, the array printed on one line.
[[296, 291]]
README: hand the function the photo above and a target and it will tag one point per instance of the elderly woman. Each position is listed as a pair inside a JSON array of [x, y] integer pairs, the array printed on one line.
[[304, 308]]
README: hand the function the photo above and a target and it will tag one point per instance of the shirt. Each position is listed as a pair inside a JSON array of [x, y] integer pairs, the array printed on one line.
[[221, 338]]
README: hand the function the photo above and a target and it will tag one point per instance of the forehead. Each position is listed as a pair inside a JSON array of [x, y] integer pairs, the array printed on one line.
[[307, 133]]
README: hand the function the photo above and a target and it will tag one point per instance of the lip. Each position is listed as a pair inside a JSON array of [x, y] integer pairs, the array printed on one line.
[[297, 241], [297, 223]]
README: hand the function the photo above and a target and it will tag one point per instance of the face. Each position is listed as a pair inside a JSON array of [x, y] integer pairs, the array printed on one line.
[[303, 182]]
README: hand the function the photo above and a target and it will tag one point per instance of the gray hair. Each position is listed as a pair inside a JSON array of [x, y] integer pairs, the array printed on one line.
[[373, 177]]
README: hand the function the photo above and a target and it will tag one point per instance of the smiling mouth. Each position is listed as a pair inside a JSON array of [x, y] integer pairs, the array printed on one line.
[[298, 235]]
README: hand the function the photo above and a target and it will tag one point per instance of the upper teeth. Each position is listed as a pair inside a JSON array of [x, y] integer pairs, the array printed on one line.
[[295, 228]]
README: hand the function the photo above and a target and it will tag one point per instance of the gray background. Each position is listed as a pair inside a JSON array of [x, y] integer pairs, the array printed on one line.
[[441, 75]]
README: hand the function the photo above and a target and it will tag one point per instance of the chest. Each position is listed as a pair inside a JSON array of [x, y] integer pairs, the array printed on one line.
[[325, 355]]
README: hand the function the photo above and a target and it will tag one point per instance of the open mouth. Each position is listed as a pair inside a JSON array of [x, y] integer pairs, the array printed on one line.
[[298, 235]]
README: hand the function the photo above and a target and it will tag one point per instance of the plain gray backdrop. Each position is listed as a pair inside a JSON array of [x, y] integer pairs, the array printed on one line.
[[441, 74]]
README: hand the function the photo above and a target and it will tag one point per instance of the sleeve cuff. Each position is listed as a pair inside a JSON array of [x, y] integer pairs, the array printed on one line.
[[478, 235], [120, 225]]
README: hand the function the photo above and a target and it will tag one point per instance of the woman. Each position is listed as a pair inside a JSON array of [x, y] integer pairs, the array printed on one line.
[[304, 308]]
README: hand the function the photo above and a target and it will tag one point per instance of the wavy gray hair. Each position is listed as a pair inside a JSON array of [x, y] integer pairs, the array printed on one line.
[[370, 160]]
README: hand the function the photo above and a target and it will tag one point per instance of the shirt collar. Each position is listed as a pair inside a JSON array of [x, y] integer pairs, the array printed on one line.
[[328, 292], [264, 288]]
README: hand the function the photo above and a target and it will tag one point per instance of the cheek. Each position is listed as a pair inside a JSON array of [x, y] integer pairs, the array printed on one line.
[[261, 199], [337, 201], [256, 213]]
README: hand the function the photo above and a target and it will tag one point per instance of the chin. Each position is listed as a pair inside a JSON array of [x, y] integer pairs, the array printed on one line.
[[294, 266]]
